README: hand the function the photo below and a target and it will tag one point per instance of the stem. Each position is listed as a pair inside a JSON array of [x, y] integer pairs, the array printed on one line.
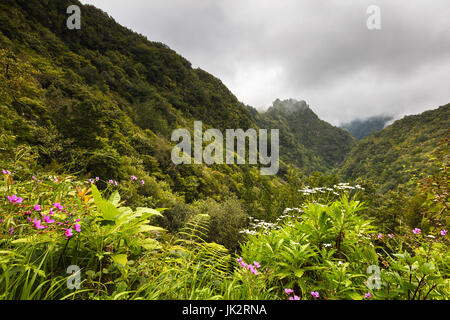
[[418, 286], [431, 289], [64, 250]]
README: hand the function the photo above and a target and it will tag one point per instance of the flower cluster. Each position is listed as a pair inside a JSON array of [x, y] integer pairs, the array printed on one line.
[[252, 267], [92, 181], [341, 186], [289, 292], [6, 172], [134, 178], [113, 182], [257, 225], [42, 221]]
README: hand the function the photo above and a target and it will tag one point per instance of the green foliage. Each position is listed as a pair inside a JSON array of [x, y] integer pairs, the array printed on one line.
[[227, 219], [306, 141], [399, 152]]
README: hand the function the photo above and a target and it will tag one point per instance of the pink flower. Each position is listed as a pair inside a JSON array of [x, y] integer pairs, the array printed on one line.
[[113, 182], [390, 235], [15, 199], [253, 270], [380, 236], [315, 294], [97, 178], [133, 178], [416, 231], [11, 231], [239, 260], [443, 232], [47, 219], [367, 295], [294, 298], [37, 207], [256, 264], [58, 206], [91, 181], [77, 227], [5, 172], [288, 291], [142, 182], [37, 224], [68, 233]]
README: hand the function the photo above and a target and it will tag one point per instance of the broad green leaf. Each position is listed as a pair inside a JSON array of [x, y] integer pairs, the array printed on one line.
[[140, 210], [149, 228], [96, 194], [120, 259], [115, 198], [109, 211]]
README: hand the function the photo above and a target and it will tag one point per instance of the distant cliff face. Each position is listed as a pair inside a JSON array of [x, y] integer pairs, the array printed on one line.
[[288, 106], [361, 128], [305, 141]]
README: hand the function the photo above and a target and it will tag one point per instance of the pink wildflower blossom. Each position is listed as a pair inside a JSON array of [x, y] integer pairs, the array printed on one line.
[[58, 206], [443, 232], [315, 294], [15, 199], [47, 219], [416, 231], [37, 223], [288, 291], [68, 233]]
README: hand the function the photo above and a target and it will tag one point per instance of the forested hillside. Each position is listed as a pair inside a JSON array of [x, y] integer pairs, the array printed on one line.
[[305, 140], [401, 151]]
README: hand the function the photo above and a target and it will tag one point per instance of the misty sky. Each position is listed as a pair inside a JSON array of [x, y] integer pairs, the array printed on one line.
[[320, 51]]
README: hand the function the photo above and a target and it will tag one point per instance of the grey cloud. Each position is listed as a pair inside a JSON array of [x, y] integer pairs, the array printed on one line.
[[316, 50]]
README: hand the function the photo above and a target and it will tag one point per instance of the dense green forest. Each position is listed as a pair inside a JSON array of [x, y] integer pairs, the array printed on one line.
[[306, 141], [86, 118], [400, 151]]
